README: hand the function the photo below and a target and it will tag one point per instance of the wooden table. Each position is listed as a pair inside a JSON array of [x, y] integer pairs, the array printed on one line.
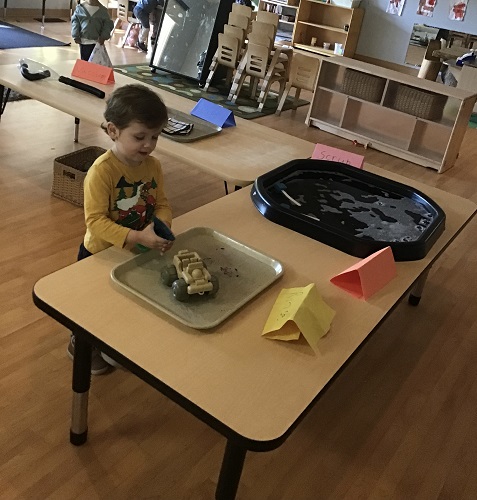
[[450, 52], [237, 154], [43, 8], [251, 390]]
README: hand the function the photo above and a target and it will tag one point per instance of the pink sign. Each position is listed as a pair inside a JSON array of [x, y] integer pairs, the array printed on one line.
[[93, 72], [323, 152], [369, 275]]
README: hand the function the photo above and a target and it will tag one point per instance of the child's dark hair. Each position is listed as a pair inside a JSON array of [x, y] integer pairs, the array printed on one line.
[[135, 103]]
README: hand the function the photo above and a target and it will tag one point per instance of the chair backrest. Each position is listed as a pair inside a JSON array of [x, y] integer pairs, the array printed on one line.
[[266, 28], [257, 60], [304, 71], [260, 39], [268, 17], [238, 33], [239, 21], [242, 10], [228, 50]]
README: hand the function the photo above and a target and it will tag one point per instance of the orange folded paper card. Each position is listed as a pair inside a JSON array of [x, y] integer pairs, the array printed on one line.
[[322, 152], [93, 72], [369, 275]]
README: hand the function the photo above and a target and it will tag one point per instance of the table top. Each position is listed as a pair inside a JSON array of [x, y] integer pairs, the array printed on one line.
[[242, 384], [237, 154], [450, 52]]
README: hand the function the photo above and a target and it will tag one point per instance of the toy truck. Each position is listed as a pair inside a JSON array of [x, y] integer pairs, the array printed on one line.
[[188, 275]]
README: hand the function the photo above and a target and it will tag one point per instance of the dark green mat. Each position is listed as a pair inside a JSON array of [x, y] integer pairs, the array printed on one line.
[[244, 107], [473, 120]]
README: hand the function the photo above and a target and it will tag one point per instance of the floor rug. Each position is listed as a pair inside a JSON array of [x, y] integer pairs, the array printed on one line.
[[244, 107], [13, 37]]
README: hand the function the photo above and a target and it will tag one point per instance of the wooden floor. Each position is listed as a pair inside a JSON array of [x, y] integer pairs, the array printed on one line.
[[400, 422]]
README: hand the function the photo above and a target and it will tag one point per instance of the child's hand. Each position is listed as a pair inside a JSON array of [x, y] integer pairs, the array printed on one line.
[[77, 40], [101, 41], [148, 238]]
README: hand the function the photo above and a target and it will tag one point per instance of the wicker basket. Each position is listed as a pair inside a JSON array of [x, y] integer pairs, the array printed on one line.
[[69, 172], [420, 103], [363, 85]]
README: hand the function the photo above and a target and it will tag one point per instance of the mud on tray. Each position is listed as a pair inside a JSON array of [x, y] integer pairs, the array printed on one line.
[[349, 209], [242, 273]]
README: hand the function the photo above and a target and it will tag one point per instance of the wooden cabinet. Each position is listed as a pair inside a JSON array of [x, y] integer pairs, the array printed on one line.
[[421, 121], [321, 23], [287, 10]]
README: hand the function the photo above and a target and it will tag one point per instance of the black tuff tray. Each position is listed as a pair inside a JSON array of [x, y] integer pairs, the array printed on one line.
[[350, 209]]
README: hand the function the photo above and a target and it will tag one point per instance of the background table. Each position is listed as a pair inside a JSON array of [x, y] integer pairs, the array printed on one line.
[[237, 154]]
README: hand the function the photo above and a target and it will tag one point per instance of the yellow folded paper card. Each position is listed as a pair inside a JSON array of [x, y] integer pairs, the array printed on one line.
[[299, 310]]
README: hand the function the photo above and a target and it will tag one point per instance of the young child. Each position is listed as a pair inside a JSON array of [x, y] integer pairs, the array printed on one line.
[[145, 11], [124, 187], [90, 23]]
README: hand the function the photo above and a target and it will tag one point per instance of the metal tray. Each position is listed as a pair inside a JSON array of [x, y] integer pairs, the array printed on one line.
[[354, 211], [202, 128], [242, 272]]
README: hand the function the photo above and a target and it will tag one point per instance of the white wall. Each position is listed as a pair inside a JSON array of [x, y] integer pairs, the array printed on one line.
[[386, 36]]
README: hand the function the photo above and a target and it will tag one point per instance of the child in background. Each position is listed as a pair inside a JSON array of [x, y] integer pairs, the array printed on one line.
[[145, 11], [124, 188], [90, 23]]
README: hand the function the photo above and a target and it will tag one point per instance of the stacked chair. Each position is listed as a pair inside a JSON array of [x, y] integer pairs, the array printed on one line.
[[246, 48]]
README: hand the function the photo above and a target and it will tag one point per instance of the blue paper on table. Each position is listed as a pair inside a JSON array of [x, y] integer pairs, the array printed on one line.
[[214, 113]]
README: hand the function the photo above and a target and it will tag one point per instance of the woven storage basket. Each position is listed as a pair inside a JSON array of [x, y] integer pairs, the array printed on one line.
[[362, 85], [69, 172], [420, 103]]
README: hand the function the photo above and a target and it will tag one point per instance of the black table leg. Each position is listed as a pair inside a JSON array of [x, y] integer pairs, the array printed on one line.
[[43, 13], [230, 472], [77, 124], [417, 289], [5, 95], [81, 385]]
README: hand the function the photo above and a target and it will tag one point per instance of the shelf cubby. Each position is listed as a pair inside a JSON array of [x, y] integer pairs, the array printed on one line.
[[409, 117], [329, 106]]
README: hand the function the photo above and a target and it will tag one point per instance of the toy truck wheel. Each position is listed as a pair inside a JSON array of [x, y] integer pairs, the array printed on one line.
[[179, 290], [215, 285], [168, 275]]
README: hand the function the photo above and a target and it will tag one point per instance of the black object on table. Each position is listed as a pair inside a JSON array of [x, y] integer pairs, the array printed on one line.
[[350, 209]]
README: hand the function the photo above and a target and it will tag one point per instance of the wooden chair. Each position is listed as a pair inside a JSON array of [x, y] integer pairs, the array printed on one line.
[[258, 66], [252, 38], [123, 15], [227, 55], [242, 10], [238, 33], [264, 16], [303, 74], [265, 28], [239, 21]]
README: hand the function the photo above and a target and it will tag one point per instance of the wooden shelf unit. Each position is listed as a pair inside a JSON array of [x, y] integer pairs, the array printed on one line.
[[286, 9], [371, 112], [327, 23]]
